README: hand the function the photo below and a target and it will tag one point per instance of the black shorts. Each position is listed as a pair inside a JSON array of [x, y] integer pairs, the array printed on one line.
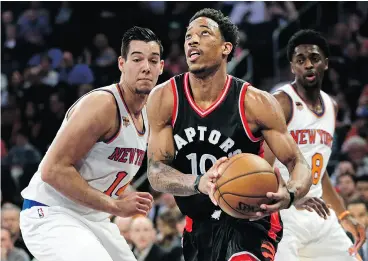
[[230, 239]]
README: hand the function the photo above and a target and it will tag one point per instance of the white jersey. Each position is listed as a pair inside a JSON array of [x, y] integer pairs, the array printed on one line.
[[108, 167], [313, 133]]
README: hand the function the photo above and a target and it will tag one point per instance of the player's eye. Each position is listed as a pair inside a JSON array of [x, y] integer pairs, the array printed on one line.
[[205, 33], [154, 61], [136, 60], [188, 36]]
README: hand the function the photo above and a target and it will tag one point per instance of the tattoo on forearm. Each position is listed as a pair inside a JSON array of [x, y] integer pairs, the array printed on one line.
[[164, 178]]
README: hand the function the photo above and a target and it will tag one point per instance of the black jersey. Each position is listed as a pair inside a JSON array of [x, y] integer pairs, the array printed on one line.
[[203, 136]]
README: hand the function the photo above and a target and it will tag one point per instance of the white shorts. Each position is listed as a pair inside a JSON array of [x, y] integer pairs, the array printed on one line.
[[59, 234], [309, 237]]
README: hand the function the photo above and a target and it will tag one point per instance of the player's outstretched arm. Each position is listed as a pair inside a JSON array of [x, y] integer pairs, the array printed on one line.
[[264, 111], [87, 124], [161, 150]]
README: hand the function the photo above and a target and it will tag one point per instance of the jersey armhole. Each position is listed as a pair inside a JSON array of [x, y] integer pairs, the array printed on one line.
[[116, 134], [291, 106], [243, 117], [174, 113]]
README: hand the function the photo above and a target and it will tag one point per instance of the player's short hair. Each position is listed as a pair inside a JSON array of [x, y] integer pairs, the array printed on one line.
[[307, 36], [139, 34], [229, 31]]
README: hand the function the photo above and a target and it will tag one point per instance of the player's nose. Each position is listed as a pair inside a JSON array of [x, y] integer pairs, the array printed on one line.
[[194, 40]]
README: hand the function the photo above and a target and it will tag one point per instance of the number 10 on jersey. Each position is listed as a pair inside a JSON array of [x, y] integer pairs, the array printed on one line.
[[202, 162]]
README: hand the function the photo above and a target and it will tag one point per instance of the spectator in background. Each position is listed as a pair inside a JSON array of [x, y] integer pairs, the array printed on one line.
[[168, 237], [356, 149], [34, 24], [8, 251], [338, 39], [10, 220], [106, 55], [347, 188], [64, 13], [124, 225], [66, 66], [47, 74], [362, 187], [54, 117], [249, 11], [180, 224], [359, 211], [282, 12], [23, 152], [143, 236]]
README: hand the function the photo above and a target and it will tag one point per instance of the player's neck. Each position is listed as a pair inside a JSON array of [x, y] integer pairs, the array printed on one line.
[[135, 102], [207, 89], [310, 95]]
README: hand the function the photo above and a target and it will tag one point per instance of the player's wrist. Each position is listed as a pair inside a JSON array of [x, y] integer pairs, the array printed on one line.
[[196, 184], [292, 198], [344, 215]]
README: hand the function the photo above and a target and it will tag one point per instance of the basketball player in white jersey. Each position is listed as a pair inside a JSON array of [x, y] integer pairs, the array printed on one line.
[[97, 151], [311, 114]]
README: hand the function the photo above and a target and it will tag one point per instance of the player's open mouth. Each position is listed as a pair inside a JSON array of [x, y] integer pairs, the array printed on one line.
[[310, 77], [193, 54]]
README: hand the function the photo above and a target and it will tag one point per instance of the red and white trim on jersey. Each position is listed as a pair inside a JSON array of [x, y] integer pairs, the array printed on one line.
[[242, 114], [199, 111], [140, 133], [243, 256], [176, 102]]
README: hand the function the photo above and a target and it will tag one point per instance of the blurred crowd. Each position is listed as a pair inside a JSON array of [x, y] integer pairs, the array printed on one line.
[[52, 53]]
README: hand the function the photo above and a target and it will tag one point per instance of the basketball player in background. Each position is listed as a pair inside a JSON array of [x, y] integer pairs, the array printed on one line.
[[97, 151], [311, 114], [200, 118]]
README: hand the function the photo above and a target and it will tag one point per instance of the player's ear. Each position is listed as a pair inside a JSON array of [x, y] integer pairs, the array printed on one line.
[[162, 65], [326, 64], [121, 62], [227, 47]]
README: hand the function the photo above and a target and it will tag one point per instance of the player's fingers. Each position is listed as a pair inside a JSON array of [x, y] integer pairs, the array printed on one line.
[[143, 207], [261, 214], [361, 237], [308, 208], [268, 209], [144, 201], [319, 210], [323, 205], [145, 195], [275, 196], [141, 212]]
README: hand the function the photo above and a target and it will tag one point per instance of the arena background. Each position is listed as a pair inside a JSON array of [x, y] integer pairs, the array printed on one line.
[[54, 52]]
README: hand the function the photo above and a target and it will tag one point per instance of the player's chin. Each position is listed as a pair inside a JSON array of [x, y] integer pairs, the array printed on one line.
[[197, 68], [146, 89]]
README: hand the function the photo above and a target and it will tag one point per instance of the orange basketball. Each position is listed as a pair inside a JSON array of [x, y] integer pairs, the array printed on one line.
[[242, 187]]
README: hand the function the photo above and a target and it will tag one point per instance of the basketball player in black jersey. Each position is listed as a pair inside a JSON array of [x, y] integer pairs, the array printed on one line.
[[198, 120]]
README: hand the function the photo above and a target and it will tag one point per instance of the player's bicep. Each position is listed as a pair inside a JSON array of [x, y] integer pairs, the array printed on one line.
[[275, 133], [159, 109], [85, 126]]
